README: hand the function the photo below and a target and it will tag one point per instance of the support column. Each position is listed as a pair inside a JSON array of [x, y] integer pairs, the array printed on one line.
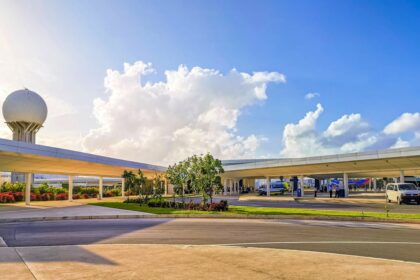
[[123, 188], [70, 192], [402, 179], [230, 186], [268, 185], [302, 183], [237, 186], [374, 184], [28, 180], [370, 183], [101, 188], [225, 187], [346, 184]]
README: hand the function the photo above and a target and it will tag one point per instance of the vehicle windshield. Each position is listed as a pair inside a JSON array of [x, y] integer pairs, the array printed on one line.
[[407, 187]]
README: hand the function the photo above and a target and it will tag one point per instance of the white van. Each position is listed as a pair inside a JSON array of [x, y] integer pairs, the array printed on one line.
[[402, 192]]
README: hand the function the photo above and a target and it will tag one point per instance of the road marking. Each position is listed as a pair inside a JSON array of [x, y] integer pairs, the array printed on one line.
[[2, 242], [318, 242]]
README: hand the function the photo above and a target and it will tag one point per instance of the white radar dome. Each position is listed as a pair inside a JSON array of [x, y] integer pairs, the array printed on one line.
[[25, 106]]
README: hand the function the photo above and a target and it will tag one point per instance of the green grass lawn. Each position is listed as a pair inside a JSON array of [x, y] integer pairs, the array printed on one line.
[[147, 209], [249, 210]]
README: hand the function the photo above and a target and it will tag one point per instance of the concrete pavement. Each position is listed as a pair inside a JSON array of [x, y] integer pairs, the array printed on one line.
[[190, 262], [61, 209]]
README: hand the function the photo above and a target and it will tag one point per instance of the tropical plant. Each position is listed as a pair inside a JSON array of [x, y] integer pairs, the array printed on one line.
[[130, 181], [179, 175], [205, 175], [12, 187], [158, 188]]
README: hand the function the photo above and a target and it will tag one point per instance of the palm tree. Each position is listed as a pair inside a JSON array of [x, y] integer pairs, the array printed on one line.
[[129, 178]]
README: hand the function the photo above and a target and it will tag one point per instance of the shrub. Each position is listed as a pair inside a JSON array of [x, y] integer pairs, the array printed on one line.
[[15, 187], [6, 197], [89, 191], [35, 196], [219, 206], [76, 196], [137, 200], [61, 196], [60, 190], [112, 192], [19, 196], [116, 192], [47, 196], [45, 188]]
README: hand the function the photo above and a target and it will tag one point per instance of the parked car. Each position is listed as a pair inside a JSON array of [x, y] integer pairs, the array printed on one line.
[[275, 188], [402, 193]]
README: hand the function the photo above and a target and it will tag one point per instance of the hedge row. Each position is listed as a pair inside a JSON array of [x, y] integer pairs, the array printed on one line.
[[215, 206]]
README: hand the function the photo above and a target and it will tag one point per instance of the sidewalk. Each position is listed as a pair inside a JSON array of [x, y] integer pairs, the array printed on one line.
[[52, 210], [190, 262]]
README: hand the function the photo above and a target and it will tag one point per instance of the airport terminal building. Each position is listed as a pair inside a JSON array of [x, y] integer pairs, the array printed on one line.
[[25, 112]]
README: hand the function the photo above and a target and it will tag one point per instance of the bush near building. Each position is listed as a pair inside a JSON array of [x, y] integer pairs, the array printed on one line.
[[15, 192], [213, 206], [161, 203], [6, 198]]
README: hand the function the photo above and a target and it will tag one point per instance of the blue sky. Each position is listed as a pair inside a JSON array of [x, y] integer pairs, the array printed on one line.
[[360, 56]]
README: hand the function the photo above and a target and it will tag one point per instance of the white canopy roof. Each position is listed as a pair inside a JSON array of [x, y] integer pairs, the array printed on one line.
[[384, 163], [25, 157]]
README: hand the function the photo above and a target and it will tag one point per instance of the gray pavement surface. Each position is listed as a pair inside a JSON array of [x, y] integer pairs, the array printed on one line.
[[380, 240], [68, 211], [342, 204]]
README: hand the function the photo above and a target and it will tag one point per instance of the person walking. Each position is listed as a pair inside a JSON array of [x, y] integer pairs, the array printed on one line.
[[329, 188]]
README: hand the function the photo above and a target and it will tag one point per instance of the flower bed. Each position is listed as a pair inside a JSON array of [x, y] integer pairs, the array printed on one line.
[[6, 198], [10, 197], [10, 193]]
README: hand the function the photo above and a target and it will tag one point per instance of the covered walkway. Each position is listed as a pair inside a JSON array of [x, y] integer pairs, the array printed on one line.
[[30, 158], [391, 163]]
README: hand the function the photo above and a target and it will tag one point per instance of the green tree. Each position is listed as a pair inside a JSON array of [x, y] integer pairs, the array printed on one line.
[[145, 187], [130, 181], [158, 189], [140, 181], [179, 175], [205, 175]]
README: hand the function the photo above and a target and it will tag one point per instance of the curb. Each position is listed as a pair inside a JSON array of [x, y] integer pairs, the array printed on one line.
[[205, 216]]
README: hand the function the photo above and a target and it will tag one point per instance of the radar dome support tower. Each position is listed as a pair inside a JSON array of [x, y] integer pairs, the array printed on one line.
[[24, 131], [25, 112]]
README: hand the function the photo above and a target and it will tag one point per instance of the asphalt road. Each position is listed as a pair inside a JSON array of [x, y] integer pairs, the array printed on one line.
[[389, 241], [343, 205]]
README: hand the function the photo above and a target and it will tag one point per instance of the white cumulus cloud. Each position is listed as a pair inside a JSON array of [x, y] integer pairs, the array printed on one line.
[[407, 122], [311, 95], [349, 133], [191, 111]]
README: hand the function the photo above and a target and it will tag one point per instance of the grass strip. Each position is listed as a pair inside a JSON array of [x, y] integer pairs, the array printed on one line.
[[249, 210]]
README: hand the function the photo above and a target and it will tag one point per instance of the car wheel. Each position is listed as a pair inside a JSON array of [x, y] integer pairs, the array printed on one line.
[[387, 199], [399, 201]]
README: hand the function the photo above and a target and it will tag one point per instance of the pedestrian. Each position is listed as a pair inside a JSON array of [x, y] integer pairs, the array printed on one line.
[[329, 188]]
